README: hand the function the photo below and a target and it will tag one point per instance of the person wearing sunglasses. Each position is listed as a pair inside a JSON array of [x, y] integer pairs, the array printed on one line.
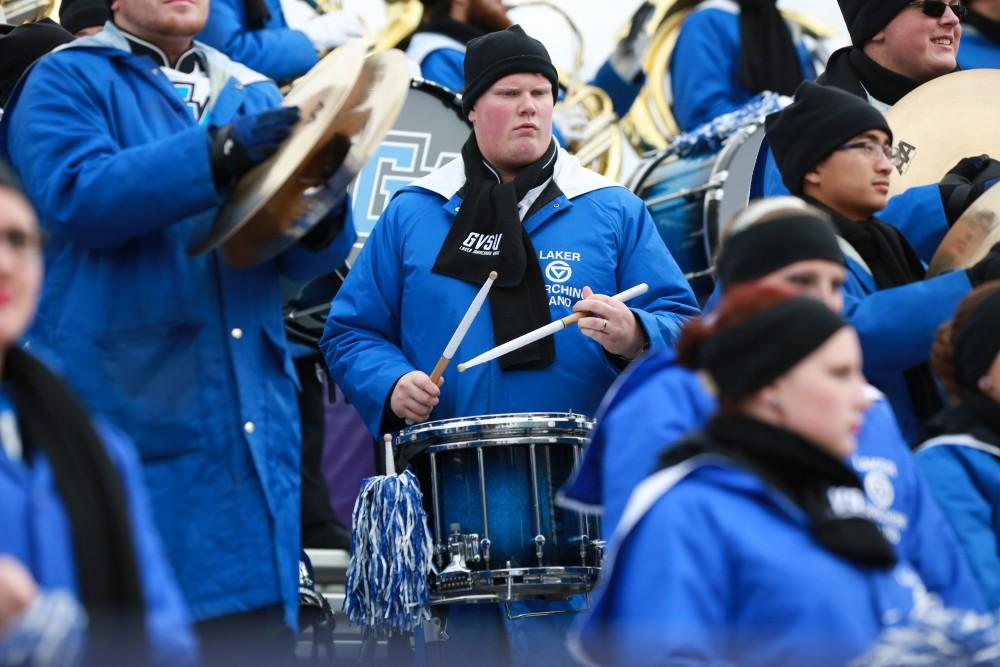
[[980, 35], [897, 45], [835, 150]]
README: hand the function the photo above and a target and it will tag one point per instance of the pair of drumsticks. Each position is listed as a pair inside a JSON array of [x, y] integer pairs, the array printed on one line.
[[511, 345]]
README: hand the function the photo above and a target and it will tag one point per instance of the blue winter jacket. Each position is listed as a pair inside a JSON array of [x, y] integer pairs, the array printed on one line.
[[186, 354], [897, 327], [276, 51], [393, 315], [976, 50], [964, 476], [657, 402], [705, 65], [711, 567], [37, 533]]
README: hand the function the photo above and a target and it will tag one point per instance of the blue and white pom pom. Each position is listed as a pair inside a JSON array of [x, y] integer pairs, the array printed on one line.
[[387, 588]]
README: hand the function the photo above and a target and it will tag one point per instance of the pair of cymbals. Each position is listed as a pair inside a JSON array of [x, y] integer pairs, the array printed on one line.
[[348, 102]]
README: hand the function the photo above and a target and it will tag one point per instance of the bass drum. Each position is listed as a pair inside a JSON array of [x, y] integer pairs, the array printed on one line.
[[428, 134], [693, 198]]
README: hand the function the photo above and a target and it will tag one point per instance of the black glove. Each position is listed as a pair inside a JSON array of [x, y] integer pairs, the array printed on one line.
[[963, 184], [986, 269], [247, 141]]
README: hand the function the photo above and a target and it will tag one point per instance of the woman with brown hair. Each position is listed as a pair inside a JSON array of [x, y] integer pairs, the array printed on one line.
[[752, 545], [961, 457]]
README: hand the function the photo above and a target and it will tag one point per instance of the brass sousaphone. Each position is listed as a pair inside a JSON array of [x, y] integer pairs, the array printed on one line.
[[348, 103], [936, 125]]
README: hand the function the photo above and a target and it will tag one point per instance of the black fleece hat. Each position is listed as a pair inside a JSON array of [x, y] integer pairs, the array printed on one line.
[[498, 54], [22, 45], [809, 129], [864, 18], [75, 15]]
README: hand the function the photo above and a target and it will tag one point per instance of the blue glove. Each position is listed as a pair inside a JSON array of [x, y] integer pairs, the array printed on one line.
[[248, 141]]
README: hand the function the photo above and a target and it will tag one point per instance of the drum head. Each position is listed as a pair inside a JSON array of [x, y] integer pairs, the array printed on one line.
[[971, 237], [735, 168], [427, 134], [944, 120]]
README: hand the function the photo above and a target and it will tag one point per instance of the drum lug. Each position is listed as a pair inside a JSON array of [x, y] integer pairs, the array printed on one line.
[[584, 543], [540, 548], [464, 548], [599, 546]]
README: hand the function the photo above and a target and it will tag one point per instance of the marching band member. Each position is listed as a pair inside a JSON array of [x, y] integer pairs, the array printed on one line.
[[981, 35], [835, 150], [258, 34], [657, 401], [752, 545], [896, 46], [561, 238], [727, 52], [187, 355], [960, 458], [80, 555]]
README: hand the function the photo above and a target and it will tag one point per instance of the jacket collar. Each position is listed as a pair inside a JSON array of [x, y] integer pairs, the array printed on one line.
[[572, 178]]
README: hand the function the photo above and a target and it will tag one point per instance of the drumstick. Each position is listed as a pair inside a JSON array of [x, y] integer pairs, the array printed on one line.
[[542, 332], [463, 328]]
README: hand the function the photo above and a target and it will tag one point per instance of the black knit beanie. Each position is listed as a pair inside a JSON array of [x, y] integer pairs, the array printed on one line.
[[865, 18], [765, 247], [498, 54], [820, 119], [75, 15], [22, 45]]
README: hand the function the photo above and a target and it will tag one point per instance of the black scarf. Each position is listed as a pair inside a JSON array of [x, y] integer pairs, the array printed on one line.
[[487, 235], [768, 57], [986, 26], [851, 70], [893, 263], [976, 414], [257, 13], [53, 421], [804, 473]]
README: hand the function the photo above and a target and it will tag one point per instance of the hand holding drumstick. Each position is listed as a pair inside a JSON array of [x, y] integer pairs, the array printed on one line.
[[611, 323]]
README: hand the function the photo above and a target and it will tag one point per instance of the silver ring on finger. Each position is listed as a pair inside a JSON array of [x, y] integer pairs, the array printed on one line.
[[604, 327]]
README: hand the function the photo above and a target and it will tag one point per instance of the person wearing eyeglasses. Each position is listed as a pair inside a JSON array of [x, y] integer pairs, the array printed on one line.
[[897, 45], [834, 150], [981, 35]]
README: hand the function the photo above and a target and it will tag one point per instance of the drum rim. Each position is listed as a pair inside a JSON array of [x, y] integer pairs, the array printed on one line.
[[490, 443], [426, 431]]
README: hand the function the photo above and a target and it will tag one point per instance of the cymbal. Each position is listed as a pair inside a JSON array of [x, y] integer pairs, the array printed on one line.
[[942, 121], [971, 237], [365, 118], [261, 195]]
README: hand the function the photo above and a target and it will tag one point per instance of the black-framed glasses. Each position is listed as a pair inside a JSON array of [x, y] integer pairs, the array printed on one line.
[[872, 150], [936, 8]]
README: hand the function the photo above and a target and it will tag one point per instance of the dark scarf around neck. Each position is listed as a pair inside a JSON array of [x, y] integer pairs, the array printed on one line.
[[893, 263], [487, 235], [976, 414], [882, 84], [768, 57], [53, 422], [826, 489]]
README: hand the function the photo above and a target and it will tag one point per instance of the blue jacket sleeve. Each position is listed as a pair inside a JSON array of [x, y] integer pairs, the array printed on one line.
[[361, 342], [61, 141], [445, 67], [897, 325], [658, 611], [642, 257], [703, 68], [276, 51], [167, 621], [969, 502], [621, 92], [298, 263]]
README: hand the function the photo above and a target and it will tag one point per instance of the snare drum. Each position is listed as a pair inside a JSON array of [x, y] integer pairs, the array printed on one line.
[[692, 198], [428, 134], [489, 487]]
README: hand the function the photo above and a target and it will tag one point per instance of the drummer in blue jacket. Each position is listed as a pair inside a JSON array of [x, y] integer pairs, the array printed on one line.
[[897, 45], [752, 545], [780, 241], [835, 150], [727, 52], [78, 540], [981, 35], [961, 456], [126, 164], [561, 238]]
